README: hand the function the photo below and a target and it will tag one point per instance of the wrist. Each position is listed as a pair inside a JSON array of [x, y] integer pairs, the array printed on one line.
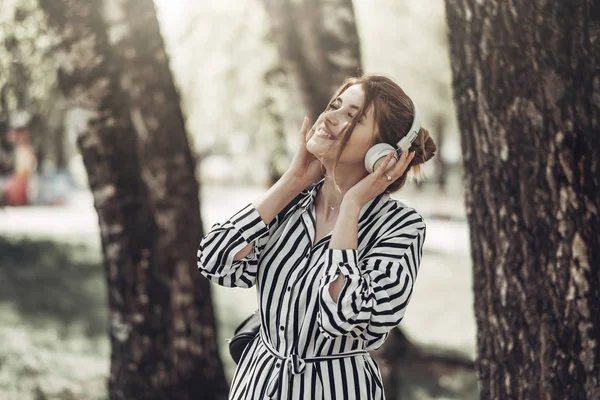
[[350, 206], [293, 182]]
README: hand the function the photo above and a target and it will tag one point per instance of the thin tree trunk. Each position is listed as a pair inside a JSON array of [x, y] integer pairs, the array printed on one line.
[[527, 83], [277, 145], [59, 146], [318, 44], [439, 124], [161, 322]]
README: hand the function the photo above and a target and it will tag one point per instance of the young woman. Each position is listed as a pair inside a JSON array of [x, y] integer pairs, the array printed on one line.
[[333, 257]]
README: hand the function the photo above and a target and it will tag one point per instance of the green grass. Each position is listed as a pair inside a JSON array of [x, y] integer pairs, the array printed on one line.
[[53, 321]]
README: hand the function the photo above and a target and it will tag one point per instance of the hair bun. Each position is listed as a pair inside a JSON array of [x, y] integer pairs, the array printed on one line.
[[424, 147]]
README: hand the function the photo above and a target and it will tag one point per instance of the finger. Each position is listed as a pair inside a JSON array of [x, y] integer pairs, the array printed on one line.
[[304, 129], [398, 169], [305, 133], [403, 163], [384, 164], [310, 134]]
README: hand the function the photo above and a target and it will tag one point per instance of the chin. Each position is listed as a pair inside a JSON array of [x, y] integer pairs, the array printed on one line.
[[316, 150]]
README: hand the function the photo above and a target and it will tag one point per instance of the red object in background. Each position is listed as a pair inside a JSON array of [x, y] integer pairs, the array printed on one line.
[[15, 193]]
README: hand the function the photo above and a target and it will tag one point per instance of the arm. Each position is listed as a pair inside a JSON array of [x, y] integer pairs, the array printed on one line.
[[229, 253], [344, 236], [271, 203], [368, 297], [304, 170]]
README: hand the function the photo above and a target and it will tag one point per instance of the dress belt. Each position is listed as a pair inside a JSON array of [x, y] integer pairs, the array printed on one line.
[[295, 365]]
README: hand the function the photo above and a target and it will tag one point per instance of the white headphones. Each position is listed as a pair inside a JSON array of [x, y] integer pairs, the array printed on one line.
[[381, 150]]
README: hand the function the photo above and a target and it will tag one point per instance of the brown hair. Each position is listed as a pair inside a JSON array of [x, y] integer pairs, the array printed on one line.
[[393, 114]]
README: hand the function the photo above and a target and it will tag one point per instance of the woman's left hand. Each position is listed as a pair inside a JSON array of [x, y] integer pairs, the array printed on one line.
[[377, 182]]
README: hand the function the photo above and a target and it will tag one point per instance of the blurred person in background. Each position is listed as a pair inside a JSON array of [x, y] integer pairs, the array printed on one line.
[[333, 256], [18, 188]]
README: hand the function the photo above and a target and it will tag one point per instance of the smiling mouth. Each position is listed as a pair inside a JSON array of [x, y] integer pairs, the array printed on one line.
[[323, 133]]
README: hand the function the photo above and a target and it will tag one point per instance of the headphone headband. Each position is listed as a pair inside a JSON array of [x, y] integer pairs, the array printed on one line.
[[405, 143]]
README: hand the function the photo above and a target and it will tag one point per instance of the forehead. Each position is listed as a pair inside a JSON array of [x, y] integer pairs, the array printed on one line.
[[354, 95]]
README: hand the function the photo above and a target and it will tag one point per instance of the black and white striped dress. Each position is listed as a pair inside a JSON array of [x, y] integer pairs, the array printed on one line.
[[311, 347]]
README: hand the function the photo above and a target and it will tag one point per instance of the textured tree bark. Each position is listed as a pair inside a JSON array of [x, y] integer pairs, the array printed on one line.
[[319, 46], [527, 88], [141, 173]]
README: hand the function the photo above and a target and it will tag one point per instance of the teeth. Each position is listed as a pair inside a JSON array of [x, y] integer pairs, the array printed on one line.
[[327, 135]]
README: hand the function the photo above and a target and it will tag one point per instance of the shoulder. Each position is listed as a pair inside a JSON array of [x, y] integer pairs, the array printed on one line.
[[402, 218], [301, 200]]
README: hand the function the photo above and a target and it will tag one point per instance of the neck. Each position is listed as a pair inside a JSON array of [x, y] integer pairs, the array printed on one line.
[[346, 177]]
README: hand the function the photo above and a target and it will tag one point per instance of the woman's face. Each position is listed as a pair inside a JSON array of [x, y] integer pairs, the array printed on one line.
[[325, 142]]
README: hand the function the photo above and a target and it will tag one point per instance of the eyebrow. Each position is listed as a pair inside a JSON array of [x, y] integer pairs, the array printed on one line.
[[351, 105]]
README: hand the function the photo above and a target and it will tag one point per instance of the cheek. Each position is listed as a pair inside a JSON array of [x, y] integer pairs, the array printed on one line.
[[319, 120], [357, 146]]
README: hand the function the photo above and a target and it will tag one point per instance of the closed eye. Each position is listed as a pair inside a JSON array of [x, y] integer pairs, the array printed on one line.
[[334, 107]]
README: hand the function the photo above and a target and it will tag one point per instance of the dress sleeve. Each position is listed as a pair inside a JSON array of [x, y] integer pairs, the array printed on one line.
[[224, 240], [218, 247], [378, 287]]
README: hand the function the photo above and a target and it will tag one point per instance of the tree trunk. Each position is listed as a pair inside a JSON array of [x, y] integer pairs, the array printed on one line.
[[527, 85], [140, 170], [277, 150], [318, 44], [168, 169], [439, 126]]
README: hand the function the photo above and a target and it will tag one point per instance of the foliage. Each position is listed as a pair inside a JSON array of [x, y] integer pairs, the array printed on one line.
[[234, 91], [28, 78]]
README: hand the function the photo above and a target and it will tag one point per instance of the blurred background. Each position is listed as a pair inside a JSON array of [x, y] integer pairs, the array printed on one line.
[[242, 113]]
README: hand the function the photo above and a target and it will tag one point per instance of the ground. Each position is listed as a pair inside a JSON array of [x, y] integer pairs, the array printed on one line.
[[53, 301]]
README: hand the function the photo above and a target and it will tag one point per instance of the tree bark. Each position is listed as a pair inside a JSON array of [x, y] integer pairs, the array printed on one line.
[[141, 173], [527, 84], [318, 44], [168, 169], [439, 127]]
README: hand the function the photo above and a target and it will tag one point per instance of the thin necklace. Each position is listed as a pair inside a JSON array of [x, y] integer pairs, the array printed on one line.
[[332, 208]]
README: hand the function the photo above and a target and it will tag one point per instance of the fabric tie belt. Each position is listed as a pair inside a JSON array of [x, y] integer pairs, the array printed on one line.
[[293, 364]]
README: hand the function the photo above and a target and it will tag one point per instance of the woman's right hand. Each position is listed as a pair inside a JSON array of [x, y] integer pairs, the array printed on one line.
[[305, 168]]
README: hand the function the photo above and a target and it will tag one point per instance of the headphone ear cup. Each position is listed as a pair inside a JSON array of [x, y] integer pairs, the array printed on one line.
[[375, 153]]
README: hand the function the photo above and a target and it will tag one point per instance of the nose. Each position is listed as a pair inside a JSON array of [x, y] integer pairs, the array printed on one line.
[[332, 117]]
